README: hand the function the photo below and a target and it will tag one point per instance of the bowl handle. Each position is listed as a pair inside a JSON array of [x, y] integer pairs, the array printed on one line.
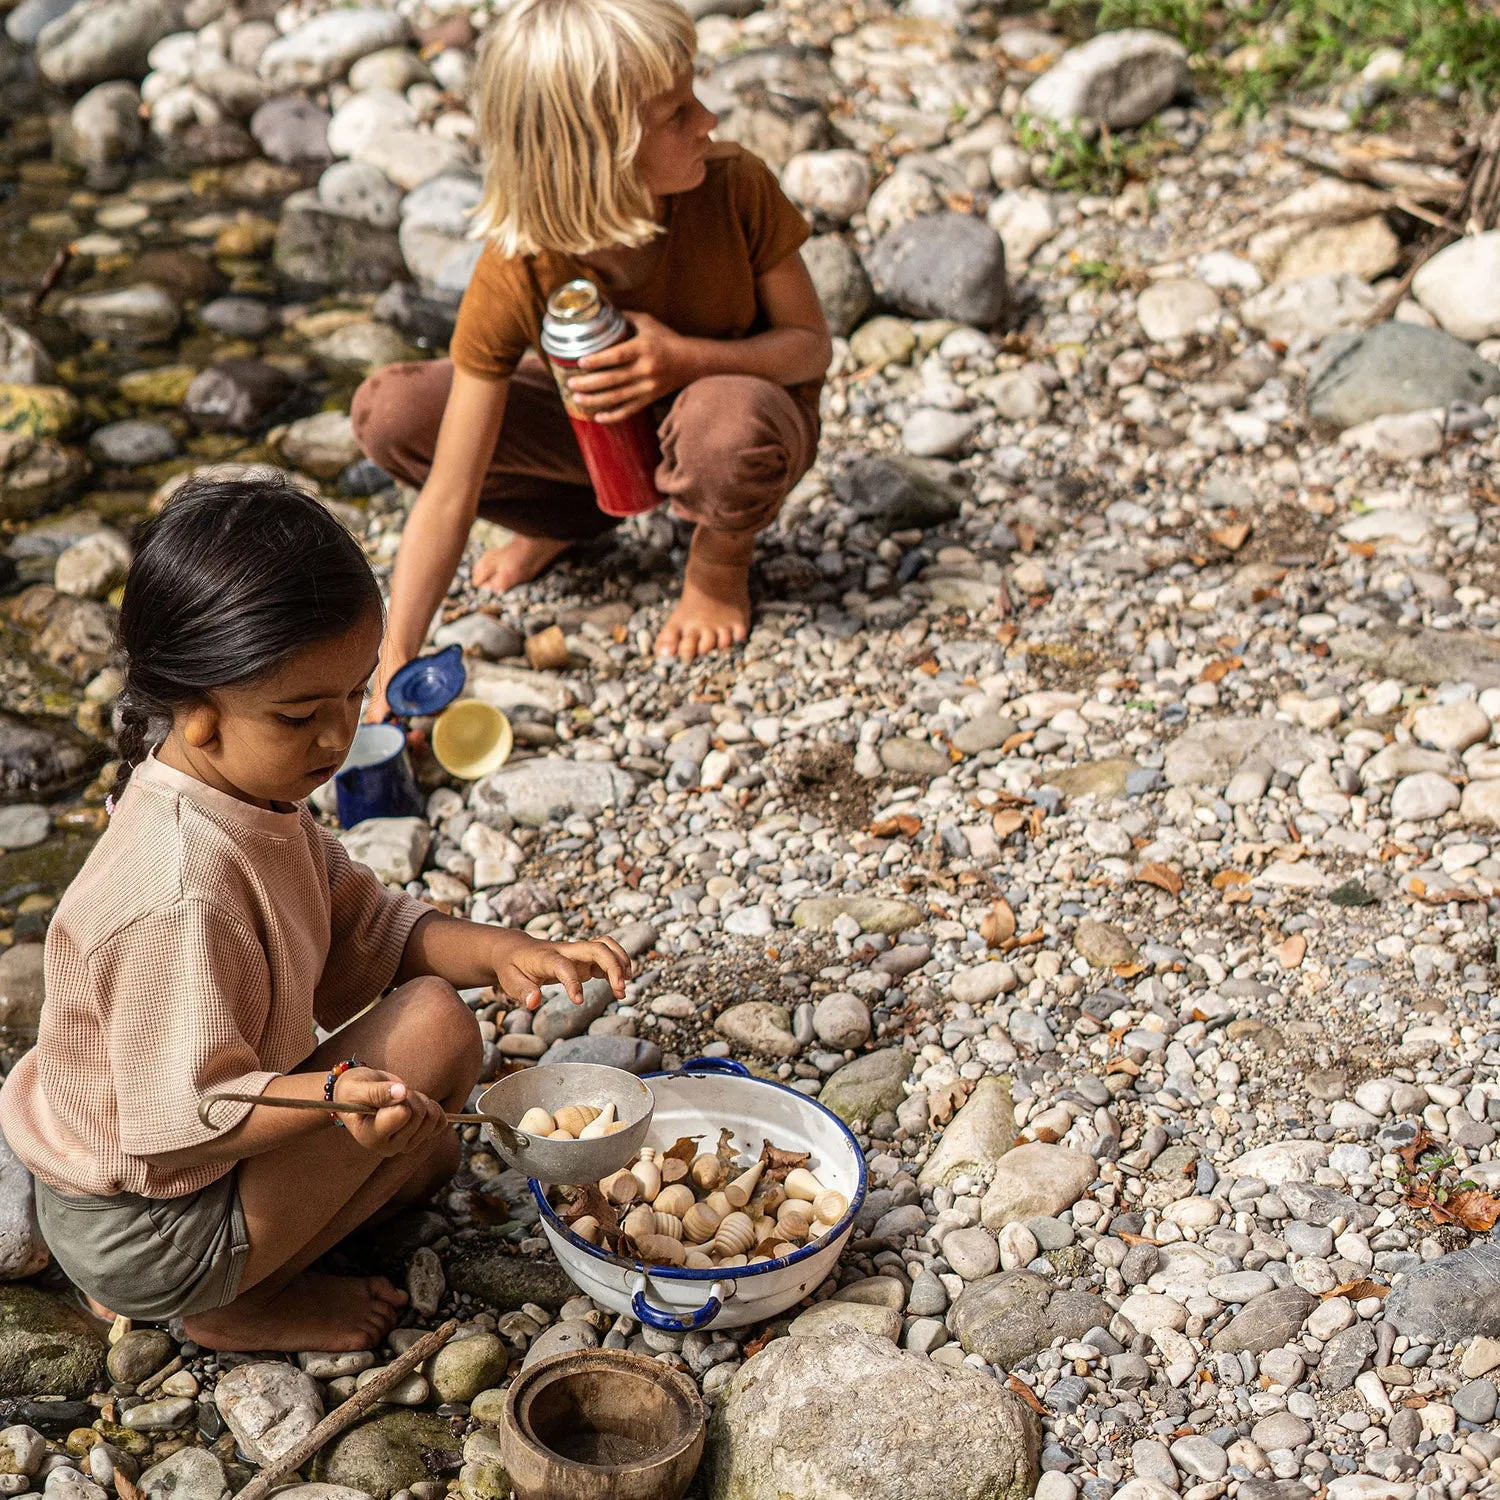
[[665, 1322], [715, 1065]]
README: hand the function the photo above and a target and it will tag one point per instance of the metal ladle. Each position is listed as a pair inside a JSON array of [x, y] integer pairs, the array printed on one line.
[[548, 1086]]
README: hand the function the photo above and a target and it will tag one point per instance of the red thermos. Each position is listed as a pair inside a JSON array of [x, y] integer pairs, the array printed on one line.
[[621, 456]]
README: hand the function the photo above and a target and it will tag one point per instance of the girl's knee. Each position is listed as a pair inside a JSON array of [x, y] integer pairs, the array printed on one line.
[[382, 412]]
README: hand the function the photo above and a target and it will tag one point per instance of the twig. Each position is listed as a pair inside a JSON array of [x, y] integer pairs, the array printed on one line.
[[50, 276], [166, 1372], [346, 1415]]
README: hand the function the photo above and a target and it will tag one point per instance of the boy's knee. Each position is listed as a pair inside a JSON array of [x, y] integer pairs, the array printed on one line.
[[452, 1031]]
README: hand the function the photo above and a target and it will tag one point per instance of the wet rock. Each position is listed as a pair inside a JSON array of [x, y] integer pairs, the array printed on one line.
[[769, 1434], [944, 266], [898, 493], [1395, 367], [139, 1353], [133, 316], [316, 250], [237, 395], [93, 565], [107, 133], [1010, 1316], [364, 345], [181, 274], [324, 48], [322, 445], [35, 474], [505, 1280], [1460, 287], [23, 359], [841, 281], [103, 39], [234, 318], [387, 1453], [1266, 1322], [977, 1137], [270, 1407], [292, 130], [869, 1085], [23, 825], [75, 635], [1120, 78], [46, 1346], [1035, 1180], [39, 411], [43, 758]]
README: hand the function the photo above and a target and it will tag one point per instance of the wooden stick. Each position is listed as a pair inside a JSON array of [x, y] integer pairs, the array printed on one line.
[[207, 1104], [166, 1372], [349, 1413]]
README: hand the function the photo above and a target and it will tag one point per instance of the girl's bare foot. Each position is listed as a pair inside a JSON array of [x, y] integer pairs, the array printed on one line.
[[714, 611], [519, 561], [311, 1311]]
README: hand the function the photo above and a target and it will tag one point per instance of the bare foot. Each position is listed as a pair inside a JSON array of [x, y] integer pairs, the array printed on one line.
[[519, 561], [311, 1311], [98, 1309], [714, 611]]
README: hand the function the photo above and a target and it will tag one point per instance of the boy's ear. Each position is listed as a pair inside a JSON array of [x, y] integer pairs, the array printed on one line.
[[201, 726]]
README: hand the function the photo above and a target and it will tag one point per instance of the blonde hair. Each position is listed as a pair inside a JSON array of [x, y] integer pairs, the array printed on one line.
[[561, 85]]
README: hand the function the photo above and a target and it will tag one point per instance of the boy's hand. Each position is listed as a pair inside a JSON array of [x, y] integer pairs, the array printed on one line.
[[621, 381], [523, 965], [407, 1121]]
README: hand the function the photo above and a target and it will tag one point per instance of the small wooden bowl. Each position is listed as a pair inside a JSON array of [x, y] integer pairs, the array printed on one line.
[[602, 1424]]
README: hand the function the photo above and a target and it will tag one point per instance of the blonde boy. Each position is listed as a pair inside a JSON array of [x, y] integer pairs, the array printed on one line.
[[599, 164]]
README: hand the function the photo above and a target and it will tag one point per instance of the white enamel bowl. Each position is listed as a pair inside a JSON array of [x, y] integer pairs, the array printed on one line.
[[708, 1095]]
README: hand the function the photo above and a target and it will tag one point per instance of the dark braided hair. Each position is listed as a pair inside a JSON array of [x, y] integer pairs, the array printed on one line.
[[232, 578]]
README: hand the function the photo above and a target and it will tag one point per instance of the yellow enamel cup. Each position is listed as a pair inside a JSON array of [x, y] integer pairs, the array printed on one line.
[[471, 739]]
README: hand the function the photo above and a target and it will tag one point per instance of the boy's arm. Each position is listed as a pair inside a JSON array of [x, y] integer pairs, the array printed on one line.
[[433, 539], [656, 361]]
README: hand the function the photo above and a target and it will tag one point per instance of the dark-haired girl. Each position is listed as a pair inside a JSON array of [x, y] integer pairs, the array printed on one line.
[[214, 924]]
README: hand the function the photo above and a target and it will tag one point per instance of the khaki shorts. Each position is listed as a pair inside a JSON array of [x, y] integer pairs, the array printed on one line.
[[150, 1258]]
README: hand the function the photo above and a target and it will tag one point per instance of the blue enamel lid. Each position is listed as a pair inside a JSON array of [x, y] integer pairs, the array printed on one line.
[[428, 684]]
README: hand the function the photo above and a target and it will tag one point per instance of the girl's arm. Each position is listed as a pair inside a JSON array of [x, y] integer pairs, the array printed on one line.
[[656, 361], [432, 541]]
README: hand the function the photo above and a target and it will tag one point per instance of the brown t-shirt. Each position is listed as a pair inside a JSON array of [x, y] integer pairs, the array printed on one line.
[[731, 229]]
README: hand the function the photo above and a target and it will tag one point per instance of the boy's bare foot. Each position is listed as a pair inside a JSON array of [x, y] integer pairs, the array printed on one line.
[[519, 561], [714, 611], [311, 1311], [98, 1309]]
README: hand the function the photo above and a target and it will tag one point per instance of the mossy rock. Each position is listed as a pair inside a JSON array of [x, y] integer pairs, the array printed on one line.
[[389, 1453], [40, 411], [47, 1348]]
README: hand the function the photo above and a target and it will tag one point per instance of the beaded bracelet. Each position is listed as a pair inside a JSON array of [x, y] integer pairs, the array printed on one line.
[[336, 1072]]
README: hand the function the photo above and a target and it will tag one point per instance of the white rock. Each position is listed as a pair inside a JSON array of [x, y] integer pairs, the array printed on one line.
[[1281, 1161], [410, 157], [363, 115], [932, 433], [1481, 803], [1224, 271], [394, 848], [1120, 78], [835, 185], [1460, 287], [93, 565], [1401, 437], [270, 1407], [751, 922], [323, 48], [1423, 796], [1174, 309], [1025, 219], [1451, 726], [1305, 312]]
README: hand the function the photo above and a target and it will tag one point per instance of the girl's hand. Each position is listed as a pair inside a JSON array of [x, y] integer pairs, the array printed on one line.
[[621, 381], [407, 1121], [523, 965]]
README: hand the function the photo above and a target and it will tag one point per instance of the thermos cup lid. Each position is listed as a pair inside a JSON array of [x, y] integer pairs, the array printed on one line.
[[428, 684]]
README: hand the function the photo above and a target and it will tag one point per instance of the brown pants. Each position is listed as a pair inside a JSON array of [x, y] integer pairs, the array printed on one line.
[[732, 448]]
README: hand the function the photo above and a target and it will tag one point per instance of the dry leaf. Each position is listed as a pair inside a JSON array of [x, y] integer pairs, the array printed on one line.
[[1161, 875], [1025, 1392], [1417, 886], [779, 1162], [725, 1150], [1019, 738], [902, 825], [930, 666], [998, 924], [1009, 820], [1026, 536], [1357, 1291], [1217, 671], [1128, 971], [1226, 878], [1137, 1239], [1473, 1209], [684, 1148], [1291, 953], [1231, 538]]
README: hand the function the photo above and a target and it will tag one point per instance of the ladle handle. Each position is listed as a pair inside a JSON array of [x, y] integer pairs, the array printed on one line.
[[206, 1104]]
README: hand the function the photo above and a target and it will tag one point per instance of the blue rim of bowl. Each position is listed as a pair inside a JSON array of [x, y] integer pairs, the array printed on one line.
[[427, 684], [835, 1233]]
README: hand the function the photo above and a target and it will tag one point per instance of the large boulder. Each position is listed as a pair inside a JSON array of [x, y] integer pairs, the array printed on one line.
[[1007, 1317], [832, 1417], [1119, 78], [324, 48], [23, 1251], [387, 1453], [1394, 367], [868, 1086], [1449, 1300], [103, 39], [47, 1347]]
